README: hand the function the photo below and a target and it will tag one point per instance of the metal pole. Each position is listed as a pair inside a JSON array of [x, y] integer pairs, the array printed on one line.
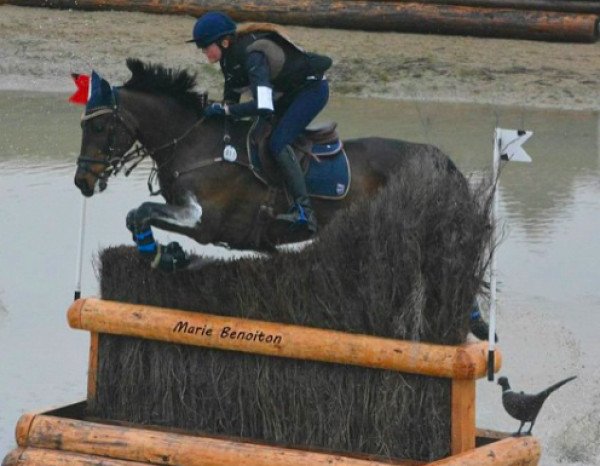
[[493, 279], [79, 263]]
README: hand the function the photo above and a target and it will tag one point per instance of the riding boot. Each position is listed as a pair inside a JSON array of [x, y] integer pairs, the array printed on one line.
[[301, 212]]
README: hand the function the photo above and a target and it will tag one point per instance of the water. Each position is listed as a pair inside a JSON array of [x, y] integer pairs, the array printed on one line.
[[547, 262]]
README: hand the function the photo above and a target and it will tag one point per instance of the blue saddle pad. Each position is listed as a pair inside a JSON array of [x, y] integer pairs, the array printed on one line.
[[329, 177]]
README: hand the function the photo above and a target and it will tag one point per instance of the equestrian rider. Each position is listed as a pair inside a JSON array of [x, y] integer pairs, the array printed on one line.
[[285, 81]]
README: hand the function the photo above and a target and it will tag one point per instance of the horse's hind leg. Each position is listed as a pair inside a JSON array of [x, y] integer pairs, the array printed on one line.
[[170, 217]]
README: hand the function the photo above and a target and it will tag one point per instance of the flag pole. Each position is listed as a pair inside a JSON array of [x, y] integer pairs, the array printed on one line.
[[79, 263], [507, 146], [493, 273]]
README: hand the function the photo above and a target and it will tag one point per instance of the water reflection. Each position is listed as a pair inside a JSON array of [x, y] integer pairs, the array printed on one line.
[[534, 197]]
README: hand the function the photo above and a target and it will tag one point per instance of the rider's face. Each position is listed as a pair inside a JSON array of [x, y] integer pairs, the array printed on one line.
[[212, 52]]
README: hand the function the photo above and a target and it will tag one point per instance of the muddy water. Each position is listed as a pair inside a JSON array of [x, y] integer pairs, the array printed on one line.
[[548, 262]]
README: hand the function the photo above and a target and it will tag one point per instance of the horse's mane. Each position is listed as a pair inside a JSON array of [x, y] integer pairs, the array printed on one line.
[[178, 84]]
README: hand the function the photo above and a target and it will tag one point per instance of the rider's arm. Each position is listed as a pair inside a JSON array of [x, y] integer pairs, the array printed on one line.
[[257, 68]]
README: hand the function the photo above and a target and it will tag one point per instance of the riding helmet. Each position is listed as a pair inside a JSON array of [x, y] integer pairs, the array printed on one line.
[[209, 28]]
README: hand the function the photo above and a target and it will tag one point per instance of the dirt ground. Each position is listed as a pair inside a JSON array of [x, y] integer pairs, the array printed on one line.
[[40, 47]]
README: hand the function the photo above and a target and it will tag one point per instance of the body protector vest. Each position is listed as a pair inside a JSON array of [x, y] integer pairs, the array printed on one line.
[[266, 62]]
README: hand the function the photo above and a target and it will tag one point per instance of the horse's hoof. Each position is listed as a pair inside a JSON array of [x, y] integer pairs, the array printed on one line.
[[170, 258]]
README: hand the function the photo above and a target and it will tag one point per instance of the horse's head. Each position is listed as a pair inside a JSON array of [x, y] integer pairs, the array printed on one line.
[[106, 138], [114, 120]]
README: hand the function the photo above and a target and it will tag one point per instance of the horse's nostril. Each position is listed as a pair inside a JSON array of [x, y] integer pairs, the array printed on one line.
[[83, 187]]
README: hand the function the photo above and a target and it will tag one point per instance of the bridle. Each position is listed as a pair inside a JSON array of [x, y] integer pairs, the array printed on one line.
[[138, 151], [113, 163]]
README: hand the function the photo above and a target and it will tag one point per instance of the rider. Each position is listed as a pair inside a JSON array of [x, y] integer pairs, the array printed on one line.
[[285, 82]]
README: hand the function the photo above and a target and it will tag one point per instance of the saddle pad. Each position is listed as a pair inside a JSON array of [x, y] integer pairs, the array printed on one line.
[[327, 178]]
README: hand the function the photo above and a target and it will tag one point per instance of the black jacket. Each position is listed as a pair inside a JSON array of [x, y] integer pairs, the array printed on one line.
[[266, 60]]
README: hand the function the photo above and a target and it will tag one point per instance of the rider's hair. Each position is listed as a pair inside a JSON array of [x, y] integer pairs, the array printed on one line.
[[249, 28]]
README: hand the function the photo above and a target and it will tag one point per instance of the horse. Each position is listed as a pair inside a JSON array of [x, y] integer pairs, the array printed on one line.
[[158, 114]]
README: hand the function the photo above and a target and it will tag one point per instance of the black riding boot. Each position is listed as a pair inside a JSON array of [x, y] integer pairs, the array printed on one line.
[[301, 213]]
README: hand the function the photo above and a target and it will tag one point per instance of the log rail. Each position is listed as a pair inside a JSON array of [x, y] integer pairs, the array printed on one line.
[[275, 339], [44, 439], [497, 18]]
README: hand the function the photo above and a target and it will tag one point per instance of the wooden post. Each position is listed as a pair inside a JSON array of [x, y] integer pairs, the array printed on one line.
[[282, 340], [463, 428], [93, 366]]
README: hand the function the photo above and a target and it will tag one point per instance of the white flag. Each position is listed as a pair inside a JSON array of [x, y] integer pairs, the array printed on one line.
[[509, 142]]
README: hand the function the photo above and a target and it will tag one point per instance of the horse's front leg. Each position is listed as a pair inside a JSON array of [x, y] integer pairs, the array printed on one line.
[[177, 218]]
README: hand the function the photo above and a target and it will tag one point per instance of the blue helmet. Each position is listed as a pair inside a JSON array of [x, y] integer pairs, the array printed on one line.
[[209, 28]]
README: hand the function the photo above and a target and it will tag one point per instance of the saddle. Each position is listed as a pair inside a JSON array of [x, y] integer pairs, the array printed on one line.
[[319, 151]]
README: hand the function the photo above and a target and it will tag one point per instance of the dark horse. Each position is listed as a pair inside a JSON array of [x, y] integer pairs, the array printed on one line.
[[208, 199]]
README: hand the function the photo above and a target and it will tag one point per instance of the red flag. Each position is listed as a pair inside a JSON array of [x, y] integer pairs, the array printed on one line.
[[81, 95]]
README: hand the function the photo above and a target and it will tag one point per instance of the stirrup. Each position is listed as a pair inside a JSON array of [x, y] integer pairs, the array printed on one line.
[[298, 217]]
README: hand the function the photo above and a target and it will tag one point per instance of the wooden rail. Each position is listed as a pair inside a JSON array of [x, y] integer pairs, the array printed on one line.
[[512, 451], [45, 457], [46, 439], [169, 448], [275, 339]]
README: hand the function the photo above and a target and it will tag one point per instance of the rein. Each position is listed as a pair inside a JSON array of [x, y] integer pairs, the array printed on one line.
[[138, 151]]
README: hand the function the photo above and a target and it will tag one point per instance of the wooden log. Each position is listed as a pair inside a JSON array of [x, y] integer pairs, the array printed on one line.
[[22, 429], [565, 6], [282, 340], [512, 451], [172, 449], [12, 458], [44, 457], [371, 15]]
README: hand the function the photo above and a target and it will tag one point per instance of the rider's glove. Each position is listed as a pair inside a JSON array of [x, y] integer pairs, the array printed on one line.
[[215, 109]]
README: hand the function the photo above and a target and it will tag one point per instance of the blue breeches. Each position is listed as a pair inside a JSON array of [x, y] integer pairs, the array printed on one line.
[[303, 109]]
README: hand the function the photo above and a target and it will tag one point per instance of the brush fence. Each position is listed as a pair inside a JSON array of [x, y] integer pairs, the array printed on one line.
[[65, 437]]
